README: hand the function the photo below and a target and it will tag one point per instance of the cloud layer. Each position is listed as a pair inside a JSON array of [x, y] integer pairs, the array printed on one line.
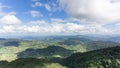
[[57, 26], [82, 12], [102, 11]]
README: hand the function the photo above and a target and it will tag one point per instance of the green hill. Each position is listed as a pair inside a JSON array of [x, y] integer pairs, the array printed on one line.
[[50, 51], [103, 58], [31, 63]]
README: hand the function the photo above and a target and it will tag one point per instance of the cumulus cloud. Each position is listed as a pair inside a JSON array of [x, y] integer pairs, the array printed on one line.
[[35, 13], [9, 20], [102, 11]]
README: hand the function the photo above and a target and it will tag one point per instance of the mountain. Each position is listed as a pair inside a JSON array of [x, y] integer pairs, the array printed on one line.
[[2, 38], [50, 51], [115, 39], [58, 38], [94, 45], [102, 58], [74, 40]]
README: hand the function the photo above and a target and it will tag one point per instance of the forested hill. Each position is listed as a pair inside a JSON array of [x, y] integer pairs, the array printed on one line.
[[102, 58]]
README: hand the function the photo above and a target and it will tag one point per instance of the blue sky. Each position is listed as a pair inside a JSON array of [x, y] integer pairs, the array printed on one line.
[[59, 17], [23, 7]]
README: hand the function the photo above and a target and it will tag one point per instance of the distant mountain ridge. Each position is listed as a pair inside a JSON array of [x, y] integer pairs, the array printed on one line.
[[59, 38]]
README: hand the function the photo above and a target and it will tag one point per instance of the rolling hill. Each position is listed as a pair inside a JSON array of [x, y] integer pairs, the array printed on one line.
[[102, 58], [60, 46]]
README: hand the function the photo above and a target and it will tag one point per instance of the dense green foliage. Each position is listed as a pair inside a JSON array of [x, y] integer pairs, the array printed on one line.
[[31, 63], [103, 58], [3, 64], [50, 51]]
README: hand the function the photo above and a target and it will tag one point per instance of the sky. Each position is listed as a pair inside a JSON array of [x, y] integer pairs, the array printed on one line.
[[59, 17]]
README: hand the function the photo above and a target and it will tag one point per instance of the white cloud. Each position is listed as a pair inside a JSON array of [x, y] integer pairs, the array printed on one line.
[[93, 10], [38, 23], [7, 29], [35, 13], [48, 8], [55, 28], [57, 20], [28, 29], [37, 4], [9, 20]]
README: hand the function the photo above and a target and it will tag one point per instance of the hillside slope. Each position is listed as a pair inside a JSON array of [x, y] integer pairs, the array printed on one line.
[[103, 58]]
